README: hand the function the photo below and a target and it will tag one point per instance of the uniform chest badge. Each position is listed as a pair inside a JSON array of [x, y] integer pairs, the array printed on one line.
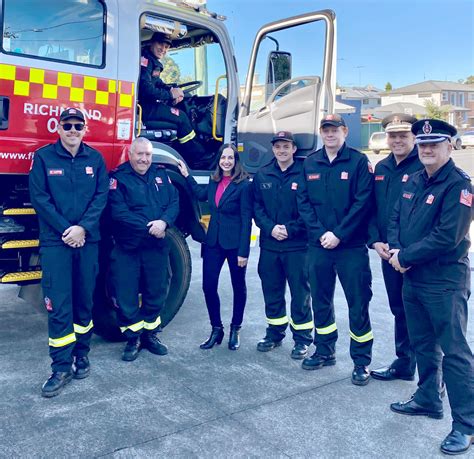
[[407, 195], [379, 178], [89, 170], [156, 73], [112, 184], [314, 176], [159, 180], [344, 175], [430, 199], [405, 178], [55, 172], [294, 186], [466, 198]]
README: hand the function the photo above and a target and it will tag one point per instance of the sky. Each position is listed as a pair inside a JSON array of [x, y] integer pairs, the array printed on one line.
[[379, 41]]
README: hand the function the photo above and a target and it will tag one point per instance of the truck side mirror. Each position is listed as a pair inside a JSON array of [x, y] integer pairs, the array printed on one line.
[[278, 71]]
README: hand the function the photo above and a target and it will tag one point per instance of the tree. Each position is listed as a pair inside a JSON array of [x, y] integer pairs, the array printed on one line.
[[388, 86], [171, 72], [435, 111], [469, 80]]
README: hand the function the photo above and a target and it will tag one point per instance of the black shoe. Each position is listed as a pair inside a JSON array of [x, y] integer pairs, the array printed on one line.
[[234, 338], [360, 375], [390, 374], [317, 361], [299, 352], [55, 383], [151, 342], [456, 443], [131, 350], [216, 337], [411, 408], [82, 367], [267, 344]]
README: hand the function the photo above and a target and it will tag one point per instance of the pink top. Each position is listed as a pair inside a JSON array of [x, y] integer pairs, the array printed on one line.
[[221, 187]]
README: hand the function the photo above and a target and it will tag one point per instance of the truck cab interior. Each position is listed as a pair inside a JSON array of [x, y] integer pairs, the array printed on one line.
[[194, 63]]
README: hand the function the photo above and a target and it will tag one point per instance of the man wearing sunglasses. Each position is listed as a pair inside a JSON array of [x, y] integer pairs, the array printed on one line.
[[68, 188]]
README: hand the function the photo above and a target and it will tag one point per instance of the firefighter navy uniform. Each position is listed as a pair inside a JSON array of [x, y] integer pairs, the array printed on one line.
[[336, 196], [68, 190], [283, 261], [389, 179], [430, 226], [140, 261]]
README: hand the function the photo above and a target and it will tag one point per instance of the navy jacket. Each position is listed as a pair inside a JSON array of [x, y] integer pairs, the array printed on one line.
[[337, 196], [231, 222], [135, 200], [152, 89], [275, 204], [67, 191], [430, 224], [389, 179]]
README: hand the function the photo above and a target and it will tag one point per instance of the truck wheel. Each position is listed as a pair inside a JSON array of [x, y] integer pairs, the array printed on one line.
[[104, 312]]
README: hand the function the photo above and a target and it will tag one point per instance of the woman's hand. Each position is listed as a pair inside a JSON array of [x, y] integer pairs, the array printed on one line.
[[182, 168], [242, 262]]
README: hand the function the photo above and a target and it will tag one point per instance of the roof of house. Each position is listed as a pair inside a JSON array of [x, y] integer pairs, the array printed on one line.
[[398, 107], [430, 86]]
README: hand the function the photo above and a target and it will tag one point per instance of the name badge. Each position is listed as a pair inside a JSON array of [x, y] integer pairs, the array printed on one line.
[[407, 195], [379, 178], [314, 176], [265, 186], [55, 171]]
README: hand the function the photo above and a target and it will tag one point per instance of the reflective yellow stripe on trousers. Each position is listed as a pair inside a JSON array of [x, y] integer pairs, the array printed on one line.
[[152, 325], [362, 339], [280, 321], [326, 330], [134, 327], [63, 341], [306, 326], [187, 138], [83, 330]]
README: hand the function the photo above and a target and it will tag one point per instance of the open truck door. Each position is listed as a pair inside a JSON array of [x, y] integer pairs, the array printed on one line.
[[285, 101]]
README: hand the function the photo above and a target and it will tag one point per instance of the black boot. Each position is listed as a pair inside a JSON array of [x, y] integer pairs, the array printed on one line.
[[217, 335], [234, 338], [132, 348], [55, 383], [82, 367]]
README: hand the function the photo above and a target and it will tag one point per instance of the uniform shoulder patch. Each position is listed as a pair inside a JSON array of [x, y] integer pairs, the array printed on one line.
[[144, 61], [466, 197]]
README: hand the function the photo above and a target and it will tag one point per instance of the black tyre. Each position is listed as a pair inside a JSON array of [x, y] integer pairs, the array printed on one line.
[[104, 313]]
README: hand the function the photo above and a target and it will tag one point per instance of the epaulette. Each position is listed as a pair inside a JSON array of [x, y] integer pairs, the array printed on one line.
[[463, 174]]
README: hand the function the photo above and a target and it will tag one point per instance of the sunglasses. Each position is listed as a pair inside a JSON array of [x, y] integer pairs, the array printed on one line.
[[77, 126]]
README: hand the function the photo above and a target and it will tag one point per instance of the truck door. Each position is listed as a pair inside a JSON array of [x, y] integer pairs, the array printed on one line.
[[298, 59]]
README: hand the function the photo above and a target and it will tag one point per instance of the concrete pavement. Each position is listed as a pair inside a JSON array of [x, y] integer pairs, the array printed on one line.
[[215, 403]]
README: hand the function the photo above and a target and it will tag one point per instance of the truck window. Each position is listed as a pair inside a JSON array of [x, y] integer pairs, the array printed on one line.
[[72, 31]]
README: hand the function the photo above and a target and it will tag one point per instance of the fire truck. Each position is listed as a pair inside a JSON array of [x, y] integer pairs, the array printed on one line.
[[86, 54]]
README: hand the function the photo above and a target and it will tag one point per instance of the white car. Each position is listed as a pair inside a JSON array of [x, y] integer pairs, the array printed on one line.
[[467, 139], [378, 142]]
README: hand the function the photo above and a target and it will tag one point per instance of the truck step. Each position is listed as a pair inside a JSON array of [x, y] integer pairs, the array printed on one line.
[[25, 276], [25, 244], [19, 211]]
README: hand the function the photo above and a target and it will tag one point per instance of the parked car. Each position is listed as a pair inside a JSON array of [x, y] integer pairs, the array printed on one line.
[[457, 142], [467, 139], [378, 142]]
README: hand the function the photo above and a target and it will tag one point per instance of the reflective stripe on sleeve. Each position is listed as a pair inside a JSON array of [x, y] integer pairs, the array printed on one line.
[[326, 330], [152, 325], [134, 327], [63, 341], [82, 330], [280, 321], [362, 339]]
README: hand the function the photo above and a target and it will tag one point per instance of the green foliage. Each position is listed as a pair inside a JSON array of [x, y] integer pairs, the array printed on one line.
[[435, 111], [469, 80], [388, 86], [171, 72]]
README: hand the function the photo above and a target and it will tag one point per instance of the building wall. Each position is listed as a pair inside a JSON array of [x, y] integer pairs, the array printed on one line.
[[413, 98], [353, 121]]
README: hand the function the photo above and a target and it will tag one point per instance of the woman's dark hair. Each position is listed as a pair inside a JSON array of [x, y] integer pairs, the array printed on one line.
[[237, 174]]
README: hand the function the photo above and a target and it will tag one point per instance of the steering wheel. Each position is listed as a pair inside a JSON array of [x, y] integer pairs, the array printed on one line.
[[190, 86]]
